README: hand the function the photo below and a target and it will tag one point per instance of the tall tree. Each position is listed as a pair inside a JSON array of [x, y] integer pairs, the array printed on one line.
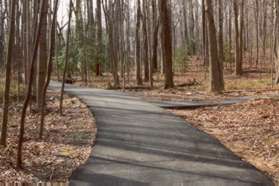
[[128, 41], [138, 47], [90, 34], [155, 30], [204, 37], [29, 88], [216, 80], [65, 70], [166, 41], [99, 37], [185, 22], [2, 34], [9, 59], [49, 67], [80, 40], [256, 10], [145, 40], [110, 9], [238, 69], [42, 60], [241, 34], [192, 24], [275, 41], [221, 37]]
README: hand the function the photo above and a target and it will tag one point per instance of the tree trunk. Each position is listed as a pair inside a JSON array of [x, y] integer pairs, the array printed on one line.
[[257, 29], [221, 37], [166, 42], [2, 35], [28, 92], [216, 80], [238, 69], [138, 49], [155, 29], [80, 40], [241, 42], [66, 60], [145, 41], [185, 23], [8, 74], [42, 60], [99, 37], [49, 67], [275, 42], [205, 37]]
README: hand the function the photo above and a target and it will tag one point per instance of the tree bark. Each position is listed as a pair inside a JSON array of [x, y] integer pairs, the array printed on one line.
[[221, 37], [275, 43], [99, 37], [238, 69], [145, 41], [2, 35], [28, 92], [66, 60], [80, 40], [42, 60], [166, 42], [138, 49], [49, 67], [8, 74], [155, 29], [216, 80]]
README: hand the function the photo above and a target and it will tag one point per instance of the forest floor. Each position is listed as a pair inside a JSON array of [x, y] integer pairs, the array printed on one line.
[[66, 145], [250, 130]]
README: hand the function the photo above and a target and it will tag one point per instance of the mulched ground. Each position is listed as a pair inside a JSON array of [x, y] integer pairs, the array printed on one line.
[[251, 130], [67, 143]]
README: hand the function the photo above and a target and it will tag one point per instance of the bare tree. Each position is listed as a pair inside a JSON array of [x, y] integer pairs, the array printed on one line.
[[2, 34], [49, 67], [238, 69], [145, 40], [8, 74], [166, 39], [29, 88], [66, 59], [155, 30], [216, 81], [42, 60], [110, 10], [99, 37], [221, 37], [138, 48]]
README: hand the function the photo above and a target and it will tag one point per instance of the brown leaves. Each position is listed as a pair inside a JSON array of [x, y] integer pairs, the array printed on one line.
[[61, 151], [251, 130]]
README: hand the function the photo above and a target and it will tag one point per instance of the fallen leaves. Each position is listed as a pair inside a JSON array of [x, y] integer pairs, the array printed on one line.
[[67, 143], [251, 130]]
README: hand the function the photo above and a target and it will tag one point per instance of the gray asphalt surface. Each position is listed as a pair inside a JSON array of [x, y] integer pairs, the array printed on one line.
[[197, 104], [140, 144]]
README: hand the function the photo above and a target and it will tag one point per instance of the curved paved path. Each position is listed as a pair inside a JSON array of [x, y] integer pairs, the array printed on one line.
[[140, 144]]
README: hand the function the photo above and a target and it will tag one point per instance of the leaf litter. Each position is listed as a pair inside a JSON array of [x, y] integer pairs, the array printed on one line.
[[250, 129], [67, 143]]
